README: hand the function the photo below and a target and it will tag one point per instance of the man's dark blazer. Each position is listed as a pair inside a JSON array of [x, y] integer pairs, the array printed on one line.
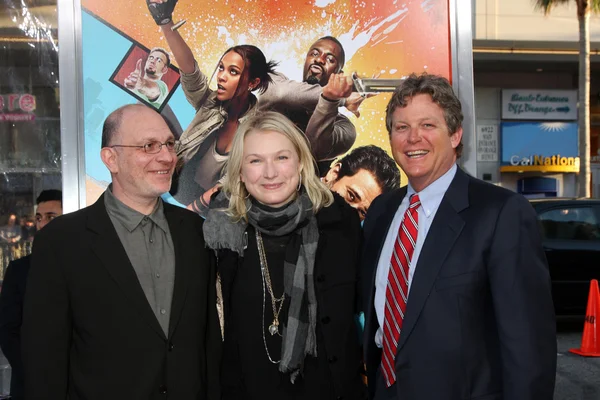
[[479, 322], [88, 330], [11, 317]]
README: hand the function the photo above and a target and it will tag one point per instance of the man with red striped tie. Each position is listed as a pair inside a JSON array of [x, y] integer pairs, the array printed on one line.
[[455, 281]]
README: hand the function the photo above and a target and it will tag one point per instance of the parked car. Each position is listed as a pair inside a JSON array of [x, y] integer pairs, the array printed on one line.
[[571, 237]]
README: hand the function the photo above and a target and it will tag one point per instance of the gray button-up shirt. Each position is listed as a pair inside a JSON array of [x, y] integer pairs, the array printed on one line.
[[148, 244]]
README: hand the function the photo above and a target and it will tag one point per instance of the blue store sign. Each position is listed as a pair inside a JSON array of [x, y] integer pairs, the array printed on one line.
[[539, 146]]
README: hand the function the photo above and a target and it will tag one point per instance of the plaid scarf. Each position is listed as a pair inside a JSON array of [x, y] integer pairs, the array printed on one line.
[[299, 333]]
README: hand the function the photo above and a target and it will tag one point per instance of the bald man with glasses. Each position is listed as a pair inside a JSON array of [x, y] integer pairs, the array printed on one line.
[[121, 300]]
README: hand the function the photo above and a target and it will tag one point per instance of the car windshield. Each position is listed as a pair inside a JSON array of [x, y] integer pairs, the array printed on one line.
[[570, 223]]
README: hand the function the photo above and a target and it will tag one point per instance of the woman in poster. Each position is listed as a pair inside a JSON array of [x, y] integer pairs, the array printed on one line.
[[205, 144], [288, 259]]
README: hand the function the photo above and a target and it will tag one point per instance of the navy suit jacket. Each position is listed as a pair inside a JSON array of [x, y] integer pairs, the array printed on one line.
[[479, 322]]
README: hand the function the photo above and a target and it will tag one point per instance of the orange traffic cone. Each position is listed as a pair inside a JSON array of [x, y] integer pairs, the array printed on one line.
[[590, 347]]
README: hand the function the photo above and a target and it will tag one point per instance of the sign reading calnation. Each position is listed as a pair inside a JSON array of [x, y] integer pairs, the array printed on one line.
[[532, 104]]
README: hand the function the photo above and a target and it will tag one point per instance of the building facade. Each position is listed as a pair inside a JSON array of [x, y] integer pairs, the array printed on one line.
[[30, 151], [526, 81]]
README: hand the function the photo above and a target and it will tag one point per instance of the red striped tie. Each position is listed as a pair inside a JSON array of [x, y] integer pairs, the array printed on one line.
[[397, 288]]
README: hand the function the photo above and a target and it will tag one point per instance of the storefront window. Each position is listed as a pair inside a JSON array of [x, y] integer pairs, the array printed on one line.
[[30, 152]]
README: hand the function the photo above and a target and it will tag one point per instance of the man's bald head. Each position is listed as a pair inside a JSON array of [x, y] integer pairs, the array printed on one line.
[[113, 122], [139, 176]]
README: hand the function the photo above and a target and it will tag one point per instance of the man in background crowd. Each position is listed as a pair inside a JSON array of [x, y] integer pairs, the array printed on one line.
[[49, 206], [11, 232]]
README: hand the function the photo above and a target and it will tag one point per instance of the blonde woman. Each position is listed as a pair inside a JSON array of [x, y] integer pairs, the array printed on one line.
[[287, 254]]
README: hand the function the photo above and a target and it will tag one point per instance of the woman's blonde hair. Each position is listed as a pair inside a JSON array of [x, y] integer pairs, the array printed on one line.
[[234, 188]]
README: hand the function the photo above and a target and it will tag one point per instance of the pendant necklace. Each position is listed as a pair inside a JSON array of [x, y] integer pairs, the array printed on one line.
[[276, 303]]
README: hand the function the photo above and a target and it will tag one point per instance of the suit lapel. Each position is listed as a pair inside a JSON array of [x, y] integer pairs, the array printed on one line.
[[108, 248], [182, 265], [375, 244], [445, 229]]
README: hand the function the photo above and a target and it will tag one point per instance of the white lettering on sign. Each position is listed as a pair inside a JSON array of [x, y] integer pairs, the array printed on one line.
[[539, 104], [487, 143], [554, 160]]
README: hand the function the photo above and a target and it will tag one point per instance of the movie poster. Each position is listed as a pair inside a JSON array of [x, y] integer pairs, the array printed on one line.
[[126, 58]]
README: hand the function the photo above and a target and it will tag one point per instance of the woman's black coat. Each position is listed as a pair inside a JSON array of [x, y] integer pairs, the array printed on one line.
[[336, 274]]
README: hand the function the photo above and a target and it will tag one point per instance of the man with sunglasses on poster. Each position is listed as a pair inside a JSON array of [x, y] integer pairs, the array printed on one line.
[[362, 175], [121, 296]]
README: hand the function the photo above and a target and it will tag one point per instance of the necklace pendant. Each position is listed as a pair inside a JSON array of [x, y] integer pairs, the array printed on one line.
[[274, 328]]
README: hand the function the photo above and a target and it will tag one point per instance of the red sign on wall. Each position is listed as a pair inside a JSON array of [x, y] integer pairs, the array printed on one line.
[[20, 107]]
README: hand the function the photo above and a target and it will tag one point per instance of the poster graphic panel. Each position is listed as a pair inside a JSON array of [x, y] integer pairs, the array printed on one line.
[[147, 75], [379, 38]]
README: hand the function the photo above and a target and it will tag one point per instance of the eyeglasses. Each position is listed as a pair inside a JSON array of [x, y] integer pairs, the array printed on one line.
[[154, 146]]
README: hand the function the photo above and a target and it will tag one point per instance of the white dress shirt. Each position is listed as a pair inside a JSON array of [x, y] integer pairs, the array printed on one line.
[[430, 198]]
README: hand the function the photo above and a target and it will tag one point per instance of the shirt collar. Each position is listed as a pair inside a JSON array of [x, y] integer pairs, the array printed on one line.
[[131, 218], [432, 195]]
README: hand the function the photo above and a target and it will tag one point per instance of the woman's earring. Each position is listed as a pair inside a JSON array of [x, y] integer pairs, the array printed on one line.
[[249, 88], [299, 183]]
